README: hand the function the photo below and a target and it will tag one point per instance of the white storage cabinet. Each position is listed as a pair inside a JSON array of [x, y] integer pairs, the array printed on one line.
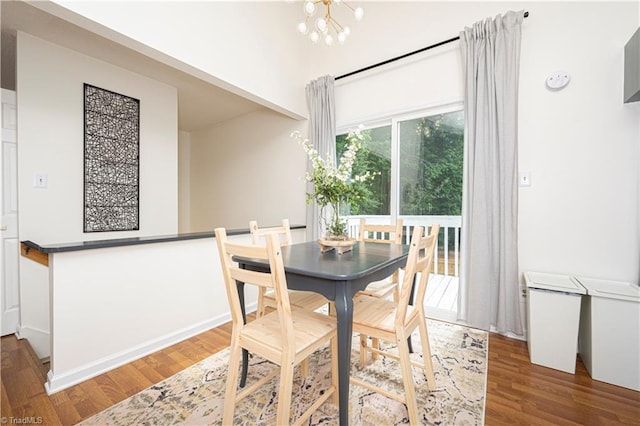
[[553, 316], [610, 332]]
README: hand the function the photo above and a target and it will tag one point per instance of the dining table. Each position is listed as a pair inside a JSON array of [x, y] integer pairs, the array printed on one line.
[[338, 277]]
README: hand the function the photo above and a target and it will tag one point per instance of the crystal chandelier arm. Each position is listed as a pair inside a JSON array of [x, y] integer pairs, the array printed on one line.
[[327, 23], [331, 20], [327, 16], [335, 24], [303, 28], [348, 5], [309, 6], [358, 12]]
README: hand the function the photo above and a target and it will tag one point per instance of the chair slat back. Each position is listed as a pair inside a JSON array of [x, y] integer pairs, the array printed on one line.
[[380, 233], [419, 260], [245, 276], [275, 278], [283, 232]]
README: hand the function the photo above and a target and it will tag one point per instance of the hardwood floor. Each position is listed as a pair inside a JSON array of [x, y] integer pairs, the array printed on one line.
[[517, 391]]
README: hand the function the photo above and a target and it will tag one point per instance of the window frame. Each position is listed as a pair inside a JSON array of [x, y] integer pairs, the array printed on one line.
[[393, 120]]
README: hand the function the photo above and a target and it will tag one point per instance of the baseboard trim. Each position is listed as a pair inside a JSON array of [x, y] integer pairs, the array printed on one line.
[[40, 340], [57, 382], [509, 334], [451, 316]]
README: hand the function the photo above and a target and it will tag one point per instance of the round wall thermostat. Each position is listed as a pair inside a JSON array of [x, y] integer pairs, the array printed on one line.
[[558, 80]]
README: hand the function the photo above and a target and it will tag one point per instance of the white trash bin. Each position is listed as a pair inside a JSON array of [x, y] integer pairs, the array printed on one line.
[[553, 318], [609, 343]]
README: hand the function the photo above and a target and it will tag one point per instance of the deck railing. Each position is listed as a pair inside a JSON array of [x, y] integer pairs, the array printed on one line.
[[447, 254]]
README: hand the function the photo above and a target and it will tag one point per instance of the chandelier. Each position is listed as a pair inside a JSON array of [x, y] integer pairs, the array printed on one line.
[[326, 26]]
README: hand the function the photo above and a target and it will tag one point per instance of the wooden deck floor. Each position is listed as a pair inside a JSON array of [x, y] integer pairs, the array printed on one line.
[[441, 300]]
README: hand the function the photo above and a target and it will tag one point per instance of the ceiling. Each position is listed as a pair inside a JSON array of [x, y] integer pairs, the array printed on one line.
[[201, 104]]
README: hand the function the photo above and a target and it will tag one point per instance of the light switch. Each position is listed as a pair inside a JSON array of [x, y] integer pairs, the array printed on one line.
[[524, 179], [40, 180]]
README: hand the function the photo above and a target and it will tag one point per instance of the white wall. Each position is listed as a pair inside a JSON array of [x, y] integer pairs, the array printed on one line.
[[160, 293], [245, 169], [559, 153], [259, 36], [143, 289], [581, 144], [50, 128], [50, 125], [581, 213], [637, 106], [184, 182]]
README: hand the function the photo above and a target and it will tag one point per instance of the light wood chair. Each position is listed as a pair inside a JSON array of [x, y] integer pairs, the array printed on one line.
[[285, 336], [394, 322], [385, 234], [266, 298]]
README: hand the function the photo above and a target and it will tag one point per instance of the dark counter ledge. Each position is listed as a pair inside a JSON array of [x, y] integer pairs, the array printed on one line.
[[121, 242]]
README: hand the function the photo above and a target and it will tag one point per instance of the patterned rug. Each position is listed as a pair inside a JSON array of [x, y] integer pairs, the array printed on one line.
[[195, 395]]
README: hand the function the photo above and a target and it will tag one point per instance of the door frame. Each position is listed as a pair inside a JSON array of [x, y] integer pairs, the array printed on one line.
[[9, 241]]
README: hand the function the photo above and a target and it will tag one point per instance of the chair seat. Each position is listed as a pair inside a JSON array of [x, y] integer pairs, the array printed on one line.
[[376, 313], [311, 330], [286, 336], [394, 321], [380, 289], [302, 299]]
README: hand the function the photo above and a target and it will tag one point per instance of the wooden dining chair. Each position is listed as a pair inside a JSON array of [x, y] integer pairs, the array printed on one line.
[[394, 322], [285, 336], [385, 234], [266, 298]]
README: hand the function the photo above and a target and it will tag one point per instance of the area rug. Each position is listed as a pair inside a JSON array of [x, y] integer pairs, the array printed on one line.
[[195, 395]]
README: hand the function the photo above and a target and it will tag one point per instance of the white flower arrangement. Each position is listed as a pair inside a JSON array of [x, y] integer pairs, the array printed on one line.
[[333, 185]]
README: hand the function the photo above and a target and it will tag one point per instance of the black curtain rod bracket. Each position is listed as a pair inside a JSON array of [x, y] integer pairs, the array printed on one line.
[[397, 58]]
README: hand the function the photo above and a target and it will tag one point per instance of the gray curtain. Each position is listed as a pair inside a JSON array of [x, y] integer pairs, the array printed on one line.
[[322, 135], [489, 288]]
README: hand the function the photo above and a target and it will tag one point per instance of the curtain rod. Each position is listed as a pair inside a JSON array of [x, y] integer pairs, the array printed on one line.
[[526, 15]]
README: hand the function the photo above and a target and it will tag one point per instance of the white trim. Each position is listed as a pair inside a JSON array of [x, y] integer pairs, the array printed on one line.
[[18, 335], [40, 340], [394, 183], [58, 382], [493, 329]]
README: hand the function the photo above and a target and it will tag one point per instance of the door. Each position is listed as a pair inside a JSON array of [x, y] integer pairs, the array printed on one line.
[[418, 162], [9, 245]]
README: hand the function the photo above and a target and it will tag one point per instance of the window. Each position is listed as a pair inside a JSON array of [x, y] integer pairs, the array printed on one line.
[[430, 164], [375, 156], [424, 178]]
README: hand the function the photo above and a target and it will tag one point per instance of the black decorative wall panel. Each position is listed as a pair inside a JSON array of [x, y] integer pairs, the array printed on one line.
[[111, 161]]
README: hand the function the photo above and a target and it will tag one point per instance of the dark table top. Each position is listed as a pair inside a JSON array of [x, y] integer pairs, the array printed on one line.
[[307, 259]]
